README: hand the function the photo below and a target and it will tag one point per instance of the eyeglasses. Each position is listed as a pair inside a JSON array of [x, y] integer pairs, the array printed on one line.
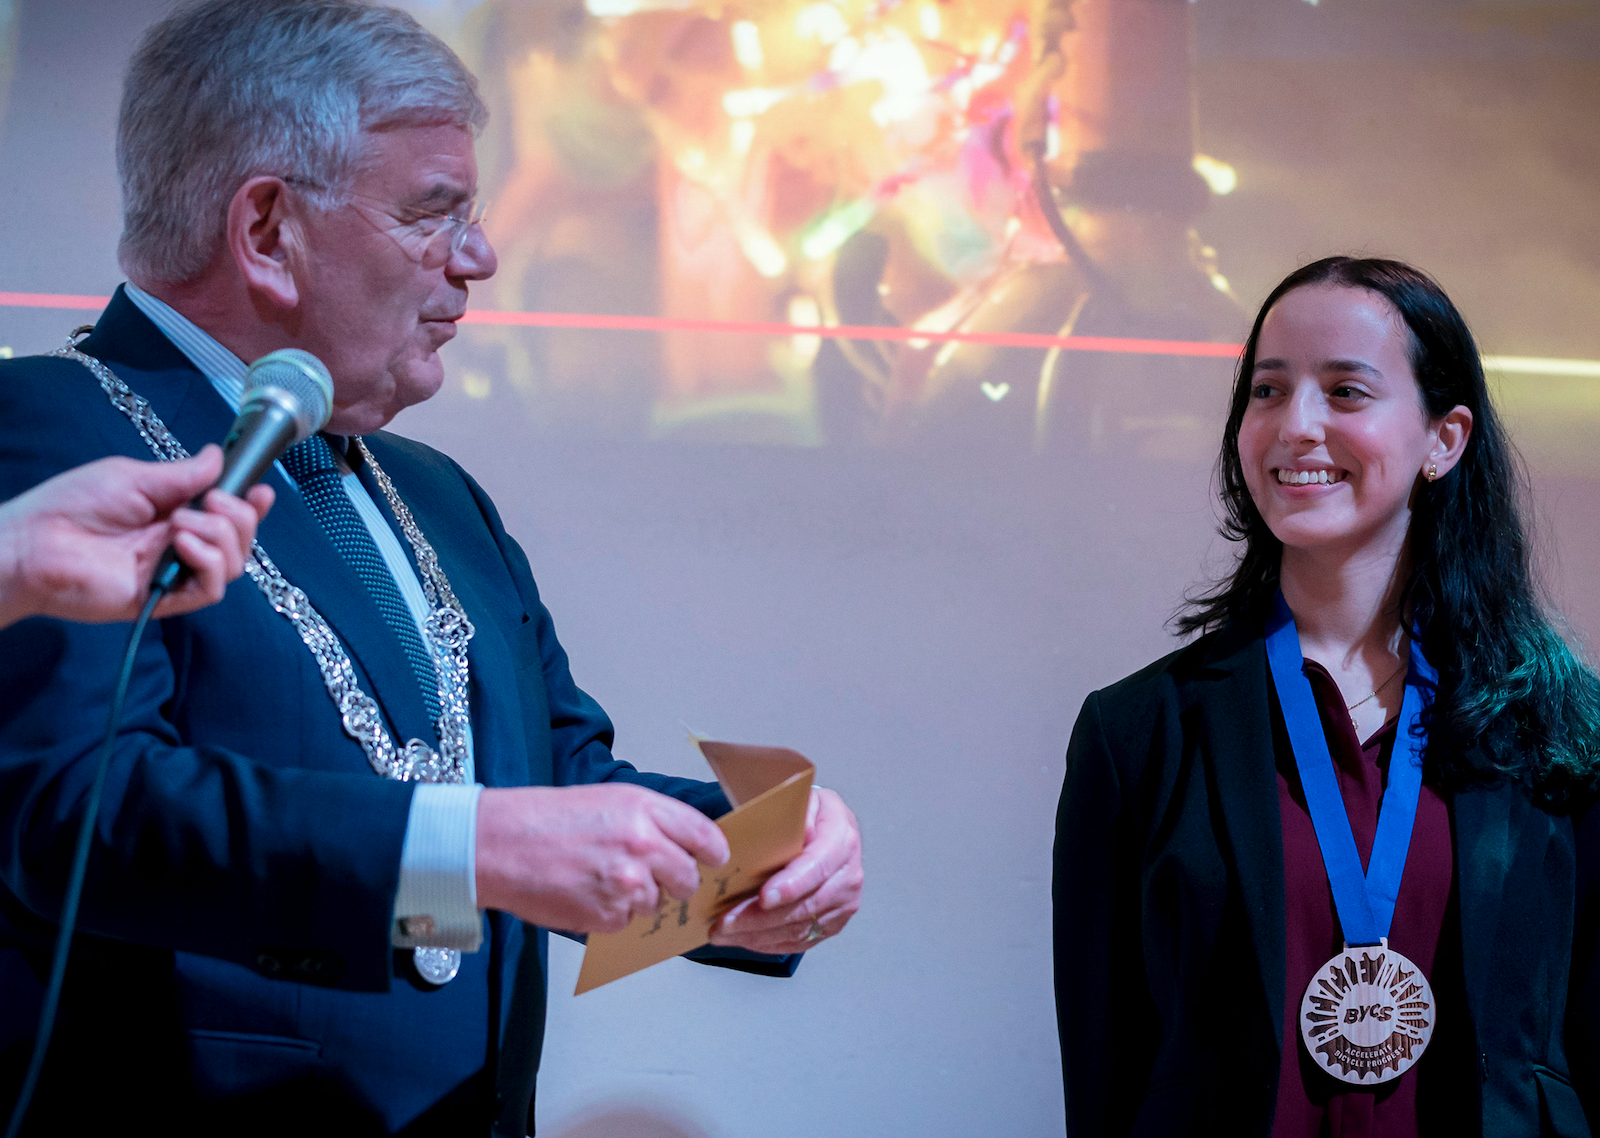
[[426, 225], [458, 221], [431, 227]]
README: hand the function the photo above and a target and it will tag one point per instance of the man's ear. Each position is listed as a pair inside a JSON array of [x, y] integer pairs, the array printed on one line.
[[262, 237]]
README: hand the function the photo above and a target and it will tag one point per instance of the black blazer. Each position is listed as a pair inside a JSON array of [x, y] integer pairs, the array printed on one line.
[[1169, 925]]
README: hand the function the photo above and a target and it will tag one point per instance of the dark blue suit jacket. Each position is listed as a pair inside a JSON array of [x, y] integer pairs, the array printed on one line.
[[233, 970]]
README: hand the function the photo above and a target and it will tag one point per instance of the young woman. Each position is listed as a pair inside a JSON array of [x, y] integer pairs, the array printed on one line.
[[1331, 869]]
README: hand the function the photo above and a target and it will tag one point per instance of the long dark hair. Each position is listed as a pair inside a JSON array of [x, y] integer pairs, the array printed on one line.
[[1514, 700]]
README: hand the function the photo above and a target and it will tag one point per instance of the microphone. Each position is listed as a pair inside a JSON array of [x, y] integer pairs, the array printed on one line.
[[288, 398]]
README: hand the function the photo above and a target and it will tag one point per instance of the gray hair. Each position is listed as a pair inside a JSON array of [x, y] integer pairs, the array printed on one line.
[[227, 90]]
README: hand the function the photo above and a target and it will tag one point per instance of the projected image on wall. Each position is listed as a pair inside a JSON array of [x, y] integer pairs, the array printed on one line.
[[1008, 226], [975, 222], [852, 378]]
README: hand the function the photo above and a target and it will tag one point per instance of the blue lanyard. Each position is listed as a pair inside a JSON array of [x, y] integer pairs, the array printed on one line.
[[1365, 902]]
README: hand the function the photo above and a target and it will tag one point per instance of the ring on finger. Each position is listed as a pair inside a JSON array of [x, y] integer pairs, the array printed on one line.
[[814, 933]]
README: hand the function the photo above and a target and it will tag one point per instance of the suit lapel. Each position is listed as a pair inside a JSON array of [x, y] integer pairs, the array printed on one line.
[[497, 729], [496, 711], [1232, 698], [302, 550], [149, 363]]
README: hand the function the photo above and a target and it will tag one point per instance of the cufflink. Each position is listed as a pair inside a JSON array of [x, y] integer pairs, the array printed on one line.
[[416, 926]]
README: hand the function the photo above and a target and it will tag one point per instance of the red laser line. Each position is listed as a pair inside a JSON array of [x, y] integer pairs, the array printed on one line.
[[51, 300], [600, 322], [852, 332]]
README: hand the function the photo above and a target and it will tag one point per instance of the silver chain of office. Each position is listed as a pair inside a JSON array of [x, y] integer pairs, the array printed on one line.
[[447, 630]]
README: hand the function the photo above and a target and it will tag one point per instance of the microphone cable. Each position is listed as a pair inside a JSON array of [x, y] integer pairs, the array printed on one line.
[[80, 866]]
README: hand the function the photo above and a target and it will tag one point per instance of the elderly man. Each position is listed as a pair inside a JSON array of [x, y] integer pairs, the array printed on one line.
[[323, 782]]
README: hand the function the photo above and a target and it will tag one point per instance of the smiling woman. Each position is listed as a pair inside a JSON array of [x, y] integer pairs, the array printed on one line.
[[1334, 434], [1400, 875], [1398, 422]]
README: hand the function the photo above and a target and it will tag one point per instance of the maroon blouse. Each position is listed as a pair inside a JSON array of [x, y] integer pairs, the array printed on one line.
[[1311, 1103]]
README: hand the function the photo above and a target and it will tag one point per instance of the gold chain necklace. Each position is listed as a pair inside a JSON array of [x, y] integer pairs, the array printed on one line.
[[1379, 688]]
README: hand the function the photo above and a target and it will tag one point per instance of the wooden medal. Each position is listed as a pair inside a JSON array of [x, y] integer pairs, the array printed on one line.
[[1367, 1015]]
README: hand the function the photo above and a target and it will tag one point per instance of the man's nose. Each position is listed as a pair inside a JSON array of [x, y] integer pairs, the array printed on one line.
[[475, 260]]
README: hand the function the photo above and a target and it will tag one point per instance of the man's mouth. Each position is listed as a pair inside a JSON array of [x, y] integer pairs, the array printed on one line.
[[1287, 477]]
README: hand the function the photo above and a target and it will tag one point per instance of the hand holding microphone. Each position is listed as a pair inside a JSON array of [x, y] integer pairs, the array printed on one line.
[[81, 546], [288, 397]]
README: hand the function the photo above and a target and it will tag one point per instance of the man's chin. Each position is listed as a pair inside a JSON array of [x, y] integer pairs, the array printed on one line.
[[416, 384], [419, 383]]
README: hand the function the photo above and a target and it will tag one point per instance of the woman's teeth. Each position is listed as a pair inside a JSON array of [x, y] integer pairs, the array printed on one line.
[[1309, 477]]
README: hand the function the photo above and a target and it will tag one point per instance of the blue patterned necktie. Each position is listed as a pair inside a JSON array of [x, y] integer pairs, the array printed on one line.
[[312, 465]]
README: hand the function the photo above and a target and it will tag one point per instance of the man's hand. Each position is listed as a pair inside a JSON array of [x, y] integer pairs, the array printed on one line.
[[810, 899], [82, 545], [589, 859]]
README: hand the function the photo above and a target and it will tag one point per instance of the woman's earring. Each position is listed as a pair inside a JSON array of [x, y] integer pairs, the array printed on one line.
[[1433, 472]]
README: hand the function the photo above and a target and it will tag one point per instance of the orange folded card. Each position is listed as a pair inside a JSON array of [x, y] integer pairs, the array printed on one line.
[[770, 788]]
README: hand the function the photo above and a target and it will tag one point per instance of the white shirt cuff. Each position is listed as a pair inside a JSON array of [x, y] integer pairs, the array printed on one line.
[[437, 902]]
